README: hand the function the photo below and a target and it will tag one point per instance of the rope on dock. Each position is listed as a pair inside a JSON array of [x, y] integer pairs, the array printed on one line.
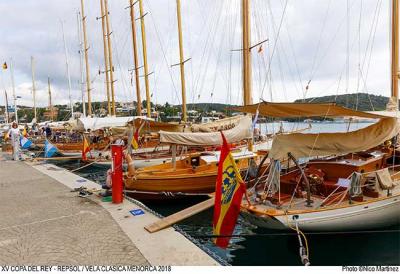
[[305, 233]]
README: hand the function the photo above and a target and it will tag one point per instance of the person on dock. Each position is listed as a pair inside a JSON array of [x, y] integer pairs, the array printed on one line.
[[14, 135]]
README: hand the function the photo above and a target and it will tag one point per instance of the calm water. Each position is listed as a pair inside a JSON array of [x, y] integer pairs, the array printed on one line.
[[257, 246]]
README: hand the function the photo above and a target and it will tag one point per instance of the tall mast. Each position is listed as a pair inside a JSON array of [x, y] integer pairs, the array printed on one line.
[[135, 59], [247, 98], [146, 70], [395, 52], [33, 88], [50, 104], [110, 60], [86, 48], [181, 60], [68, 74], [81, 63], [106, 66]]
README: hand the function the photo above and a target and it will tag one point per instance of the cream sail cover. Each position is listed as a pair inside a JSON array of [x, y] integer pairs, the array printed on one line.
[[323, 144], [240, 132], [293, 110]]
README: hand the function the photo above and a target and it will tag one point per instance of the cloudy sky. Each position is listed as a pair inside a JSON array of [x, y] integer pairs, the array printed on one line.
[[337, 46]]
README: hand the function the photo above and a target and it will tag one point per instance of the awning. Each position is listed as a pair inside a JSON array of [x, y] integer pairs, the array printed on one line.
[[240, 132], [324, 144], [307, 110]]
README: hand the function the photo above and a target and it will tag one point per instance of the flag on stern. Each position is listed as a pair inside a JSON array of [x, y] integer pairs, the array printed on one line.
[[49, 149], [85, 148], [25, 142], [229, 190], [135, 141]]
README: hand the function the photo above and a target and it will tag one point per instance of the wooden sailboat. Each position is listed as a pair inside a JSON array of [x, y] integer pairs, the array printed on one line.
[[194, 174], [359, 188]]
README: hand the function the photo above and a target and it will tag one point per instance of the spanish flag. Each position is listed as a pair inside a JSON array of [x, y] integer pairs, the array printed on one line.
[[228, 196], [85, 148], [135, 141]]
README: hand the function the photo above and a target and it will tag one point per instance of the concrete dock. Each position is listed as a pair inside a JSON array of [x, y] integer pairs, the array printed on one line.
[[43, 223]]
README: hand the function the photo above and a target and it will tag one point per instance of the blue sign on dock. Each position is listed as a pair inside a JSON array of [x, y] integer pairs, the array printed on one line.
[[136, 212]]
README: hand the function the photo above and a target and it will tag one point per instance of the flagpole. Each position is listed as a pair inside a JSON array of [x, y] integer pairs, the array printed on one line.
[[68, 74], [33, 87], [13, 87]]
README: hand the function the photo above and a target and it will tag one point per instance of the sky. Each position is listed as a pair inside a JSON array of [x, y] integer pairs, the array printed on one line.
[[333, 46]]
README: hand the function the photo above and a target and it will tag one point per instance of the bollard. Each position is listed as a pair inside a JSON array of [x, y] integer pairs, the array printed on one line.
[[116, 175]]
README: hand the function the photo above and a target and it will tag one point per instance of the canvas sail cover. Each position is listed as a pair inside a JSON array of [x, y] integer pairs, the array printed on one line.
[[95, 123], [241, 131], [323, 144], [155, 126], [307, 110]]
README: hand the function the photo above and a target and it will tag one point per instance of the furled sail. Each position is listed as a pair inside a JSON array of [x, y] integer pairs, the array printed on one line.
[[240, 132], [323, 144]]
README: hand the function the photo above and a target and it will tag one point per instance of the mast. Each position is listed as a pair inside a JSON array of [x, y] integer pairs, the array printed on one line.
[[106, 67], [7, 114], [146, 70], [395, 52], [13, 87], [110, 60], [33, 88], [246, 49], [135, 59], [68, 74], [181, 60], [50, 104], [81, 64], [86, 48]]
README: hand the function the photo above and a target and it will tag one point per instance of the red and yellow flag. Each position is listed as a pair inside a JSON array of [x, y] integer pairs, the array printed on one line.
[[135, 141], [229, 191], [85, 148]]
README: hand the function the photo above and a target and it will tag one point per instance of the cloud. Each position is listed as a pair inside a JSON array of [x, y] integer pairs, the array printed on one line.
[[312, 45]]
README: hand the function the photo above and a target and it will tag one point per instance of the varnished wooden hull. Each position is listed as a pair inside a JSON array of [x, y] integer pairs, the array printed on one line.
[[159, 183]]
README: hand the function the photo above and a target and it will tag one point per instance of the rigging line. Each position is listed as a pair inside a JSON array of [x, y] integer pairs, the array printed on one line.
[[275, 44], [366, 89], [372, 45], [209, 56], [331, 42], [162, 50], [359, 53], [114, 39], [210, 43], [278, 56], [319, 40], [347, 48], [375, 18]]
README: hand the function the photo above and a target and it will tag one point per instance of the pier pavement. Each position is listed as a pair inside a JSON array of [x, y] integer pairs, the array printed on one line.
[[43, 223]]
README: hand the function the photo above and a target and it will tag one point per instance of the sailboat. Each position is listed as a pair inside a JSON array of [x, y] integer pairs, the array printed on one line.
[[357, 187]]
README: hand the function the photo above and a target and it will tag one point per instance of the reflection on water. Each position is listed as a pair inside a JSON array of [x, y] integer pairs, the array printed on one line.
[[259, 246]]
